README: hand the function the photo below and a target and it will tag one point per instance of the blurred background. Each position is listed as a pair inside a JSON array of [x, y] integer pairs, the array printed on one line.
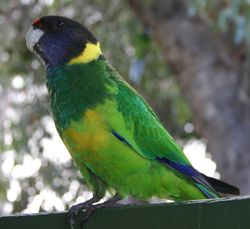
[[189, 59]]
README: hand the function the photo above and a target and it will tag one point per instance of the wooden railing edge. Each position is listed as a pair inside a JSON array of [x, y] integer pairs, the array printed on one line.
[[230, 213]]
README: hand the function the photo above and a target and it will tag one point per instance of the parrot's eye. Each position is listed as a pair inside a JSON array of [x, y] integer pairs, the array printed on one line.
[[60, 24]]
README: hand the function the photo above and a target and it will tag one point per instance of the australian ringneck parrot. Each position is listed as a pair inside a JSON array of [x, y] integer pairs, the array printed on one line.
[[114, 137]]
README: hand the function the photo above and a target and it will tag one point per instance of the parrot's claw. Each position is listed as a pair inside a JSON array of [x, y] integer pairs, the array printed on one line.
[[92, 208], [88, 208], [74, 210]]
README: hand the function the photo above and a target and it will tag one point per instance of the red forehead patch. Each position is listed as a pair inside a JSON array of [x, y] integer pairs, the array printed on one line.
[[36, 22]]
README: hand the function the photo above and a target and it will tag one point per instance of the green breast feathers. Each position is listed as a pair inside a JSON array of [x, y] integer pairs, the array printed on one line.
[[75, 88]]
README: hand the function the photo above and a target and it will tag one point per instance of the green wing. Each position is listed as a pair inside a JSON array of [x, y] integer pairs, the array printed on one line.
[[134, 123], [141, 127]]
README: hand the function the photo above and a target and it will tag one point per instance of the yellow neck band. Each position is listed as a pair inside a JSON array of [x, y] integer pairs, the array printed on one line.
[[90, 53]]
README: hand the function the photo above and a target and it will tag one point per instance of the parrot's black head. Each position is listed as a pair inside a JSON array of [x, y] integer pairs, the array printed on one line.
[[58, 40]]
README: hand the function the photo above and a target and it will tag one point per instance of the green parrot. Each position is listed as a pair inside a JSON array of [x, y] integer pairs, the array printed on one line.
[[114, 137]]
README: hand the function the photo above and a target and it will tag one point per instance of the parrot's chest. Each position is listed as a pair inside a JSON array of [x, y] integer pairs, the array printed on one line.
[[86, 136], [73, 90]]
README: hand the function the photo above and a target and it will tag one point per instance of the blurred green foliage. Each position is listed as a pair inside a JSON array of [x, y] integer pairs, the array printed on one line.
[[30, 175]]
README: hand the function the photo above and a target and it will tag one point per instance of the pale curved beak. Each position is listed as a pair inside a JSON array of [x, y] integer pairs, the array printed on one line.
[[33, 36]]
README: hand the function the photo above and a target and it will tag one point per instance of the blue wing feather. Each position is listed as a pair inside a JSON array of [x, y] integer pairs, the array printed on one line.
[[191, 173]]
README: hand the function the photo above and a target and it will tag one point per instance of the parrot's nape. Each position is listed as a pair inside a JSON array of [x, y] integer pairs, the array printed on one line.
[[114, 137]]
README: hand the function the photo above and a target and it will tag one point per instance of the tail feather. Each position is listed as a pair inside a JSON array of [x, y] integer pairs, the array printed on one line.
[[209, 186], [189, 172], [207, 191], [222, 187]]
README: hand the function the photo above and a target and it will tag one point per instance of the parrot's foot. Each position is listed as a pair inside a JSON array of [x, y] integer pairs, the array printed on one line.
[[74, 210], [112, 202], [88, 207]]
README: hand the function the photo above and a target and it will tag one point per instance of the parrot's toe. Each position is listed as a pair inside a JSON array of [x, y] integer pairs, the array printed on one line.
[[92, 208], [75, 209]]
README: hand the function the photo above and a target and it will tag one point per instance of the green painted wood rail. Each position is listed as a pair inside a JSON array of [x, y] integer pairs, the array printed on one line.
[[228, 213]]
